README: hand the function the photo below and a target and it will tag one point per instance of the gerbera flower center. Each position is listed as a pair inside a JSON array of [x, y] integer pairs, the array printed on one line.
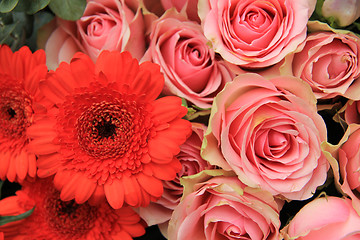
[[69, 218], [15, 112], [105, 129]]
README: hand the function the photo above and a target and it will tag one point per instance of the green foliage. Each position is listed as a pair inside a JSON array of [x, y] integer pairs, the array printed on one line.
[[7, 5], [31, 6], [13, 29], [68, 9], [7, 219]]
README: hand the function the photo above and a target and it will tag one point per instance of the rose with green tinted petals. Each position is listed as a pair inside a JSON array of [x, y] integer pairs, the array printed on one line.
[[258, 33], [269, 133], [216, 205], [329, 62]]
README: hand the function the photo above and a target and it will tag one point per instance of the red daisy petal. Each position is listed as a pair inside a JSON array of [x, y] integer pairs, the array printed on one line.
[[114, 193]]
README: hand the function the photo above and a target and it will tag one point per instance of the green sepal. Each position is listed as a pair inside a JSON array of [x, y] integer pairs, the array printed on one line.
[[7, 219]]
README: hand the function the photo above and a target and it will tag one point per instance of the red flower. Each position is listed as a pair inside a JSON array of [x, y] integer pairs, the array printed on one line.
[[20, 73], [106, 134], [54, 219]]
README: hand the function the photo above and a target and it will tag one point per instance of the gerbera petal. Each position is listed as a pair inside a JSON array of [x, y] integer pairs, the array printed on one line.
[[22, 164], [98, 196], [148, 82], [61, 178], [151, 185], [114, 193], [117, 67], [85, 189], [71, 187], [131, 190], [11, 173], [168, 171], [43, 146], [4, 163], [10, 206], [167, 109], [48, 165]]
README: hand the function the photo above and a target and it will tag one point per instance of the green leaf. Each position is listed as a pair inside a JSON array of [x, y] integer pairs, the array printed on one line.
[[68, 9], [31, 6], [8, 5], [7, 219]]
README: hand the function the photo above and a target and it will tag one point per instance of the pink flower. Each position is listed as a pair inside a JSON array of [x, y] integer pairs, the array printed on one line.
[[330, 63], [106, 24], [190, 7], [218, 206], [192, 163], [345, 162], [190, 67], [329, 218], [255, 33], [269, 133], [345, 12], [352, 112]]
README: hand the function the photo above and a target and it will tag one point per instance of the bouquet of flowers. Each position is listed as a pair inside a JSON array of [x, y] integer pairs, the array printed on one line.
[[187, 119]]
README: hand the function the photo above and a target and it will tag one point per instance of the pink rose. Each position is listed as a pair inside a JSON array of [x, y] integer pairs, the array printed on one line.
[[330, 63], [345, 162], [190, 67], [217, 205], [329, 218], [105, 24], [255, 33], [352, 112], [192, 163], [190, 7], [269, 133]]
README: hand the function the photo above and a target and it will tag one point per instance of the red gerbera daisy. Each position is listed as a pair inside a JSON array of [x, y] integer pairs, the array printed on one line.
[[53, 219], [107, 135], [20, 73]]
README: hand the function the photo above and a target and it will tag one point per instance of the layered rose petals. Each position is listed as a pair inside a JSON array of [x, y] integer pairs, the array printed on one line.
[[269, 133], [217, 205], [329, 62], [107, 131], [20, 74], [191, 68], [105, 25], [252, 33], [324, 218]]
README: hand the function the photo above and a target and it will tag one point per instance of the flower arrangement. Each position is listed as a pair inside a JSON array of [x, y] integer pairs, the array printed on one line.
[[163, 119]]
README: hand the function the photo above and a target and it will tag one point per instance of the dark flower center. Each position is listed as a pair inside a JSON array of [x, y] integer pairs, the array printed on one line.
[[69, 218], [15, 113], [106, 129]]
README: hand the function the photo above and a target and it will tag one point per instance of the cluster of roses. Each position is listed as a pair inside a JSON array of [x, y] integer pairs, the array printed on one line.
[[104, 146]]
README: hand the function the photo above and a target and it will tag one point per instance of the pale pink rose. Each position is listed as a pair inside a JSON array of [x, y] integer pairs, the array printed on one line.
[[192, 163], [269, 133], [191, 68], [105, 24], [344, 12], [330, 63], [329, 218], [255, 33], [221, 207]]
